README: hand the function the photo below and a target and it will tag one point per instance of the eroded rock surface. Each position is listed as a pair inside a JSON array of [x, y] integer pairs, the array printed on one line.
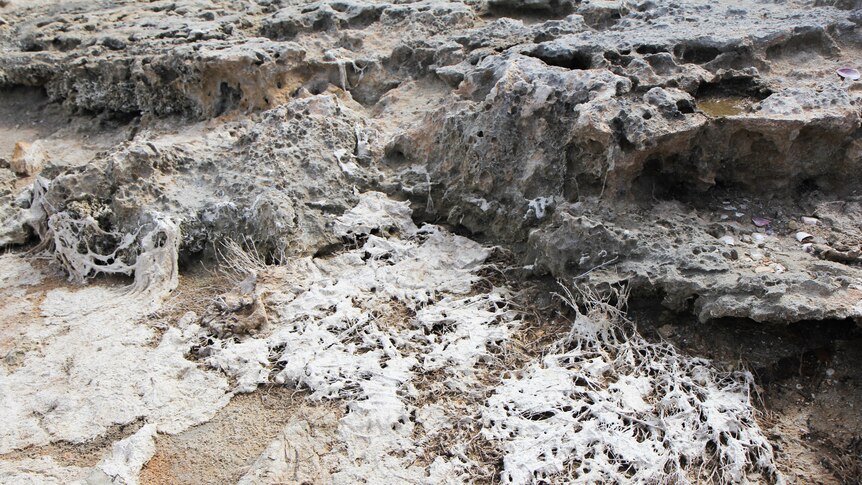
[[513, 121], [703, 155]]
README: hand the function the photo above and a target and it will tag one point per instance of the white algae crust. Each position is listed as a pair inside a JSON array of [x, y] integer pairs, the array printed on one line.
[[366, 328], [606, 406]]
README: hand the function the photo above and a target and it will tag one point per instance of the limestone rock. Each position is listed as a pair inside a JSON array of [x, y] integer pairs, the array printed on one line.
[[508, 119], [669, 151], [27, 158]]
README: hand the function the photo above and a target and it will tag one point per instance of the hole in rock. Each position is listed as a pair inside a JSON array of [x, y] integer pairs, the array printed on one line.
[[542, 416], [650, 49], [601, 19], [113, 119], [685, 106], [529, 14], [807, 186], [730, 97], [618, 59], [740, 86], [576, 60], [664, 178], [393, 156], [324, 23], [773, 352], [367, 16], [32, 45], [806, 42], [64, 44], [228, 98], [695, 53]]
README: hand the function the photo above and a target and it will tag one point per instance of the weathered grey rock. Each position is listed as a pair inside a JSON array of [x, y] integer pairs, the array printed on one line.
[[670, 253], [614, 118], [551, 126], [272, 183]]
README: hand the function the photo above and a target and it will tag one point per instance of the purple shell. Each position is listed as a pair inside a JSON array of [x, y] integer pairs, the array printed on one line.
[[759, 221], [848, 73]]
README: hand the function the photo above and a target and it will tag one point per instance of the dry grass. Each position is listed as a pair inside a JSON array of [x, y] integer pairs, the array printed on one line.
[[198, 286]]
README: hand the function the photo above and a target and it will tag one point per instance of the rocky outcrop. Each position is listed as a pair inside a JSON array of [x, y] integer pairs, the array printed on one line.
[[595, 138], [572, 145], [363, 204], [269, 183]]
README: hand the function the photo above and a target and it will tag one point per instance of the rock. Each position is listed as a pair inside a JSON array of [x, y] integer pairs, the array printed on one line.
[[27, 159], [247, 199], [114, 43], [238, 312], [310, 147], [475, 112]]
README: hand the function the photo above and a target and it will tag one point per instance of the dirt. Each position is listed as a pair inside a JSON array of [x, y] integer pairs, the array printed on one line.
[[26, 114], [85, 455], [200, 283], [224, 449]]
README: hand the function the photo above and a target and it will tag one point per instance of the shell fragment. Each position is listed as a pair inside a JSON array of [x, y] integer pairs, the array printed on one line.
[[760, 221], [848, 73], [802, 236]]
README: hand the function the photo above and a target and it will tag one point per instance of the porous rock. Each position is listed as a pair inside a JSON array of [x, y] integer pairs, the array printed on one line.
[[508, 119]]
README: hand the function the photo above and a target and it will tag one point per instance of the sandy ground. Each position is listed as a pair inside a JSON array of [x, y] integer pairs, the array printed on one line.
[[223, 450]]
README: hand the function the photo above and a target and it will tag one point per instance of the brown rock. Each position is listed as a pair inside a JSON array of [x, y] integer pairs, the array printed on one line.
[[27, 159]]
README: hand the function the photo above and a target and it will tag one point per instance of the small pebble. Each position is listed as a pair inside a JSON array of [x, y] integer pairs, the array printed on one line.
[[810, 221], [114, 43]]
